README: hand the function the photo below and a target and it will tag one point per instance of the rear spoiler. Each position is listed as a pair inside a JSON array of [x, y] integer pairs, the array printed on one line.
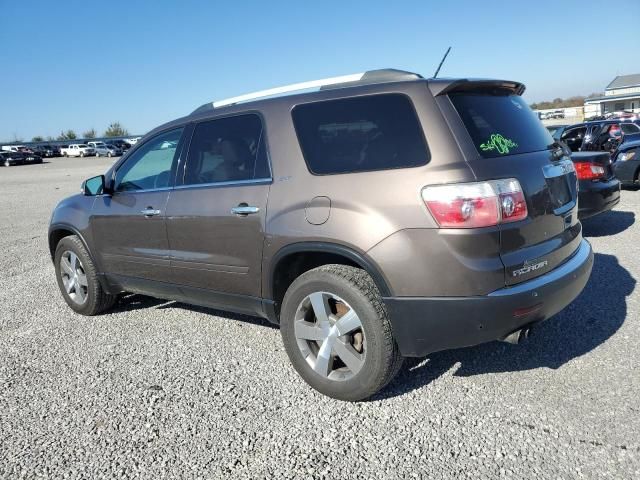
[[444, 87]]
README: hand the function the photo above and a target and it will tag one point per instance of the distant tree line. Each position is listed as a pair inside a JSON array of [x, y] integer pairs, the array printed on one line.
[[114, 130], [576, 101]]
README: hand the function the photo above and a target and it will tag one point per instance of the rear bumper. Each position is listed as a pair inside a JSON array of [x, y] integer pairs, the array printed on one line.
[[597, 197], [422, 325]]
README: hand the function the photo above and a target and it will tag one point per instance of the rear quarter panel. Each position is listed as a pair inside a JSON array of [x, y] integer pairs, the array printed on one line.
[[366, 208]]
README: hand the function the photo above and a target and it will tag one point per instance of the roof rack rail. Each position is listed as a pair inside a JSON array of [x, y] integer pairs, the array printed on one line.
[[372, 76]]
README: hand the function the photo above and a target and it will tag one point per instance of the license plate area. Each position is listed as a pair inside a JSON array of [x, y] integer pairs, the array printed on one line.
[[562, 183]]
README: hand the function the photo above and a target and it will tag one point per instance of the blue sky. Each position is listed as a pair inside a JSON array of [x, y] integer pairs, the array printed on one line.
[[82, 65]]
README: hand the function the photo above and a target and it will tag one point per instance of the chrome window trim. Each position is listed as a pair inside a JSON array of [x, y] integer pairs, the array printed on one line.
[[255, 181], [142, 191]]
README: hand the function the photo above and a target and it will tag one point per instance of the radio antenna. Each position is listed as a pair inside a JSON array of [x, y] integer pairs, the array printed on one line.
[[441, 62]]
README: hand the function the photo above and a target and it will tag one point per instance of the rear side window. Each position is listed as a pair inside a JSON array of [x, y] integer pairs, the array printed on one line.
[[501, 123], [377, 132], [227, 150]]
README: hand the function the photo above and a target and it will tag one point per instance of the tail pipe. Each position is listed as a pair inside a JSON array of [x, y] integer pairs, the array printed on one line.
[[518, 335]]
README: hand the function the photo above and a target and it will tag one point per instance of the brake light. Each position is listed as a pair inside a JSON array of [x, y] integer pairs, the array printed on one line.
[[474, 205], [589, 171]]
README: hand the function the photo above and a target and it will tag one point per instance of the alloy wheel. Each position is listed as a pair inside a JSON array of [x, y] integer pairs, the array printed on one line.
[[330, 336], [74, 277]]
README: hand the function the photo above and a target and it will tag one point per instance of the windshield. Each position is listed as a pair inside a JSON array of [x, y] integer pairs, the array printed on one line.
[[501, 124]]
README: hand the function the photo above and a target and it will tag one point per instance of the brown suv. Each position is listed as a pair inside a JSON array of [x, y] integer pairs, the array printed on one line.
[[381, 216]]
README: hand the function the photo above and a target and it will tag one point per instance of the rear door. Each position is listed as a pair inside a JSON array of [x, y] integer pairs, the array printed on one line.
[[216, 214], [510, 142]]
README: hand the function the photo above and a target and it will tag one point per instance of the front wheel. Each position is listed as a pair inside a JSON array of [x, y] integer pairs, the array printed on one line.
[[337, 334], [78, 279]]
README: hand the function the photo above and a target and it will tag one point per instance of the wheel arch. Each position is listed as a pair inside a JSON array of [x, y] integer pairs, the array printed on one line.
[[303, 256], [60, 230]]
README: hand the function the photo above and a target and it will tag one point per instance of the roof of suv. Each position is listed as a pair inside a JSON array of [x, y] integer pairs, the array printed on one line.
[[314, 90], [388, 75]]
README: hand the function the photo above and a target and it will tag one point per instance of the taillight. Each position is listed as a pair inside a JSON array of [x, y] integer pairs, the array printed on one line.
[[473, 205], [589, 171]]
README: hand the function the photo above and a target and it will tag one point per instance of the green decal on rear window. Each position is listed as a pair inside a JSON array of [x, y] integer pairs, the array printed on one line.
[[499, 143]]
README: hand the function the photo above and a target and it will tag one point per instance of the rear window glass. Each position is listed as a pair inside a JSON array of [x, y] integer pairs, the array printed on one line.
[[501, 124], [360, 134]]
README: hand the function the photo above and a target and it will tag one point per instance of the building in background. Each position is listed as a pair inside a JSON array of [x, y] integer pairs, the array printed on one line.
[[622, 94]]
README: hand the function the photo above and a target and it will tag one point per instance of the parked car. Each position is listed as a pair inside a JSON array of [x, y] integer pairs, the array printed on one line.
[[8, 158], [122, 145], [107, 151], [11, 148], [626, 163], [46, 151], [32, 158], [383, 216], [598, 187], [54, 149], [600, 135], [78, 150]]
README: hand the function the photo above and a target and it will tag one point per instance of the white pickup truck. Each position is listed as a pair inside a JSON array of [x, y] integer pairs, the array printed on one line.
[[78, 150]]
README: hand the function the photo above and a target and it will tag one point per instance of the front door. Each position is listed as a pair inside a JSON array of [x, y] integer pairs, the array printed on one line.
[[129, 225], [216, 213]]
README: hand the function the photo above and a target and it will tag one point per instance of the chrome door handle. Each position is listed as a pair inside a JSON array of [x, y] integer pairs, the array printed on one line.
[[149, 212], [244, 210]]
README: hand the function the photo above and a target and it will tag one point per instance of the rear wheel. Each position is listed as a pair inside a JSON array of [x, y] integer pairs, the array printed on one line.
[[337, 334], [78, 280]]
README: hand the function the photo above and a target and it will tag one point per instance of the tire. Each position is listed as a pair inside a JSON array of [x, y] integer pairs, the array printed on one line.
[[376, 351], [109, 155], [81, 154], [96, 300], [7, 163]]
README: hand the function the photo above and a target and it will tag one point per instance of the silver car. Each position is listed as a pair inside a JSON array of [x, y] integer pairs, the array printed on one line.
[[107, 151]]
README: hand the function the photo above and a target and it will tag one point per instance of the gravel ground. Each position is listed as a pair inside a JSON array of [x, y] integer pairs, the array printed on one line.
[[159, 389]]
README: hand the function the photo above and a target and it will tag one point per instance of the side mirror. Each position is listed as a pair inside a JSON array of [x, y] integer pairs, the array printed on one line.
[[93, 186]]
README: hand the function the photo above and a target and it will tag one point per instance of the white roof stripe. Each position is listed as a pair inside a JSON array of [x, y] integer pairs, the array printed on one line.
[[289, 88]]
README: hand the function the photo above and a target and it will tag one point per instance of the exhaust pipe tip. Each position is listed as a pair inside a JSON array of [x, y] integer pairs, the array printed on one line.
[[517, 336]]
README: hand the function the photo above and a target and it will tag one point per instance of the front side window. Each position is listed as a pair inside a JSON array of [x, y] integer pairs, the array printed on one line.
[[227, 150], [149, 167], [377, 132], [500, 123]]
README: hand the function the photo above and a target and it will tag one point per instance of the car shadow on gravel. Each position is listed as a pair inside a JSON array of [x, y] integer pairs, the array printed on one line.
[[588, 322], [131, 302], [609, 223]]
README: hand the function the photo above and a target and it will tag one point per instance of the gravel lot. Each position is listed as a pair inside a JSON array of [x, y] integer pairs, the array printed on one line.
[[159, 389]]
